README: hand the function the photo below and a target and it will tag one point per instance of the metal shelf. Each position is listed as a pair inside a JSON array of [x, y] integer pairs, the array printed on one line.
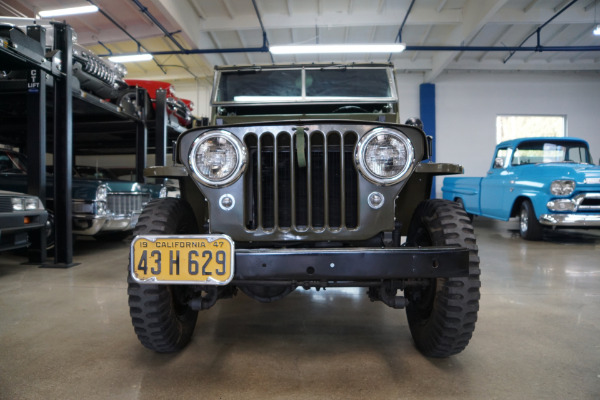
[[74, 120]]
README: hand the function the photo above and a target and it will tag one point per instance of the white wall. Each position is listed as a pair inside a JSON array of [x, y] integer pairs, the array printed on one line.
[[467, 105]]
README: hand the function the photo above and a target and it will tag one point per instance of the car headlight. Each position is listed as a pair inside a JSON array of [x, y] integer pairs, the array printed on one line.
[[384, 156], [562, 187], [26, 204], [163, 192], [218, 158], [101, 193]]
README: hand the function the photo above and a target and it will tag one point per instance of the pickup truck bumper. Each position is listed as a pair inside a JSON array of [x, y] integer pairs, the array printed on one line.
[[571, 220], [349, 264]]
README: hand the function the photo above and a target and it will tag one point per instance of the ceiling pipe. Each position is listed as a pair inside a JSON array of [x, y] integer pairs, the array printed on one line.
[[399, 35], [115, 23], [265, 49], [539, 29], [262, 27], [160, 26]]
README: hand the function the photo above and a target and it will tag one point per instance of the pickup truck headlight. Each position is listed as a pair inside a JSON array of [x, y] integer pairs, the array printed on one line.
[[562, 187], [218, 158], [384, 156]]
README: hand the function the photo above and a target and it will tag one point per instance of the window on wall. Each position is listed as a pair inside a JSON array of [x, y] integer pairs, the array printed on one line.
[[519, 126]]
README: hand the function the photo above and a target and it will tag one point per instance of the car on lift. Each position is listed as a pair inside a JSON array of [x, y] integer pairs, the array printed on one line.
[[95, 75], [20, 215], [102, 207], [304, 179], [179, 111]]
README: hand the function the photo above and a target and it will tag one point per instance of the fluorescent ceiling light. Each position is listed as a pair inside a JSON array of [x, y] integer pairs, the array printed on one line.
[[338, 48], [131, 58], [597, 30], [68, 11]]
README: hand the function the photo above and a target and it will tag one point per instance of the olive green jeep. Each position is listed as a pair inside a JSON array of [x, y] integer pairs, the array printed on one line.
[[304, 178]]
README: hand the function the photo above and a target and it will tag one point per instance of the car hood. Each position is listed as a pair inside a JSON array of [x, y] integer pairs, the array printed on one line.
[[580, 173]]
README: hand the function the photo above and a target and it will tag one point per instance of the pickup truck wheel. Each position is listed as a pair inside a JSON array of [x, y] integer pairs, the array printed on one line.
[[442, 314], [529, 227], [160, 315]]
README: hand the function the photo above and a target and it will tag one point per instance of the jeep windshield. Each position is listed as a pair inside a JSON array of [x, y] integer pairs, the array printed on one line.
[[321, 84]]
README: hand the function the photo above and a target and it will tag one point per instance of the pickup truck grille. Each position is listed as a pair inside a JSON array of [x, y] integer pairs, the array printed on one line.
[[283, 192], [126, 203], [588, 202]]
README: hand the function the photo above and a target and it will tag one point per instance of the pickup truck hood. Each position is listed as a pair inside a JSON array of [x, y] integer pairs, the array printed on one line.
[[580, 173]]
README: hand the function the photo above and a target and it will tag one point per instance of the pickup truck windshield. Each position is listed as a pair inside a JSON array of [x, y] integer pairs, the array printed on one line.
[[540, 152], [303, 85]]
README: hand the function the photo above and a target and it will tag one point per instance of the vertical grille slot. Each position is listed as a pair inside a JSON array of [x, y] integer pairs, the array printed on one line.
[[281, 194], [284, 180]]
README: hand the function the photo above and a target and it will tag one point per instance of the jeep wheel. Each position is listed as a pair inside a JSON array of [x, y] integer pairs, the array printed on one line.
[[442, 314], [160, 315], [529, 226]]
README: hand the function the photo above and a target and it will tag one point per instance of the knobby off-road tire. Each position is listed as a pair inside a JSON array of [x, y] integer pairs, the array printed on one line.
[[442, 315], [162, 320], [529, 227]]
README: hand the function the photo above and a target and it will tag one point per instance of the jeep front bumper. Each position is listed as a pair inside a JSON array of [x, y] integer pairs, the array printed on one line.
[[349, 264]]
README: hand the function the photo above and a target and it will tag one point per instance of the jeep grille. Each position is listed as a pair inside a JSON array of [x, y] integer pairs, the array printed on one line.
[[282, 193]]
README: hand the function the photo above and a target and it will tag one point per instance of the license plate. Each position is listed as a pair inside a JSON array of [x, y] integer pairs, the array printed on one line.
[[197, 259]]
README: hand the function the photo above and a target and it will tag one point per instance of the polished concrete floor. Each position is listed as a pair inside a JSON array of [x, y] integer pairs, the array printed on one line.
[[66, 334]]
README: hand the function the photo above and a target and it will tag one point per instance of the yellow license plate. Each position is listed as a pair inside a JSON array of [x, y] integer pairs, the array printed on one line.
[[197, 259]]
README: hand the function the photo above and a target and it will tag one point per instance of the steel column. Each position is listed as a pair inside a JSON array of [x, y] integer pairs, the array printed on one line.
[[63, 148], [141, 139], [161, 128], [36, 143]]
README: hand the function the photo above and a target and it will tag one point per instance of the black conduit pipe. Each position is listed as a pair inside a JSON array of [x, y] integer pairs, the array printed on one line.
[[399, 35], [115, 23], [160, 26], [538, 30]]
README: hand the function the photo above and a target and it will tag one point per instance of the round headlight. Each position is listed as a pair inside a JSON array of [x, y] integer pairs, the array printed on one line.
[[562, 187], [384, 156], [217, 158]]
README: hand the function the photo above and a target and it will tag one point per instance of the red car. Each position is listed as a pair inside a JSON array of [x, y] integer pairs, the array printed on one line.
[[178, 109]]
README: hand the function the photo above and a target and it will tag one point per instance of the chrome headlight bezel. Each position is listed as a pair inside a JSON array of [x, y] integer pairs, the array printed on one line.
[[240, 152], [562, 187], [367, 173], [102, 193]]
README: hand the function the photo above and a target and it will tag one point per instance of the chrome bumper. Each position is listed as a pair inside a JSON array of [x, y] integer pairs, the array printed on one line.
[[571, 220], [89, 225]]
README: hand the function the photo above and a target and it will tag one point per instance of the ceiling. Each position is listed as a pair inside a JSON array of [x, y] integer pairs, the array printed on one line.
[[230, 26]]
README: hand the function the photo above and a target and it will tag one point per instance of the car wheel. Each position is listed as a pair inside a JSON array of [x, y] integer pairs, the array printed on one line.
[[529, 226], [442, 312], [50, 231], [127, 101], [162, 319]]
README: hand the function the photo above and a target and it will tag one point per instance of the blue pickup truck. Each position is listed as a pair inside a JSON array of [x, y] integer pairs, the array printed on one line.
[[546, 182]]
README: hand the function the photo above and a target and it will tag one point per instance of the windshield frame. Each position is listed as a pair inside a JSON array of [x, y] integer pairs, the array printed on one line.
[[567, 144], [303, 98]]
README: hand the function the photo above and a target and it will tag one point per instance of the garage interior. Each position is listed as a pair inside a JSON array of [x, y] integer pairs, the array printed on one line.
[[65, 331]]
